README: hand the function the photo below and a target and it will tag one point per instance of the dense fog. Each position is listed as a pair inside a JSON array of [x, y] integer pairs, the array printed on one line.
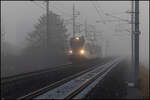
[[21, 21]]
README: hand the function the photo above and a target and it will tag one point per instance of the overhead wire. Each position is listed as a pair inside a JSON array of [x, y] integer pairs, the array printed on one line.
[[66, 14], [99, 6], [98, 12], [125, 20], [38, 5], [111, 14], [64, 8]]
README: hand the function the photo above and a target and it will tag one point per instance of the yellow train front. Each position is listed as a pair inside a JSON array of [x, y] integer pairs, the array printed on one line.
[[77, 51]]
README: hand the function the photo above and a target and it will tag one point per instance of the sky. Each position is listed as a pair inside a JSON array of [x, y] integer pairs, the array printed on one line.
[[19, 18]]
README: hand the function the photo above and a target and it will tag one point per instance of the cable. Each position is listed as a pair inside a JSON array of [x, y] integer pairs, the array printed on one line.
[[64, 8], [100, 8], [113, 13], [62, 11], [107, 14], [38, 5], [118, 13], [97, 11]]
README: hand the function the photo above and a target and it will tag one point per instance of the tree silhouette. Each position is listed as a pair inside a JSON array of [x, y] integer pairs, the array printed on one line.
[[36, 53], [56, 37]]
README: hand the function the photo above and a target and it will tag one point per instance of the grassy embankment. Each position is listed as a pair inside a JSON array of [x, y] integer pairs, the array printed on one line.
[[144, 81]]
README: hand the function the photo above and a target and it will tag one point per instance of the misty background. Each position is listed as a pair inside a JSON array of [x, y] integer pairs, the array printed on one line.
[[19, 17]]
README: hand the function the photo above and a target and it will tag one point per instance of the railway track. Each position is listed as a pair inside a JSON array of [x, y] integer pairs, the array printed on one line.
[[51, 86], [73, 86], [20, 85], [5, 80], [24, 75]]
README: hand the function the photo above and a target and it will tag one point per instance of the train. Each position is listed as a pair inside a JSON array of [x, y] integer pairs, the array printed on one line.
[[81, 49], [77, 51]]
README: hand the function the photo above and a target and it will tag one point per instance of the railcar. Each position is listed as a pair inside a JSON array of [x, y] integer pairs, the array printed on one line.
[[77, 52]]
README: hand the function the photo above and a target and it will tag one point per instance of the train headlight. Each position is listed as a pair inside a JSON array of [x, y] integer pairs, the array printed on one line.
[[70, 52], [77, 38], [82, 51]]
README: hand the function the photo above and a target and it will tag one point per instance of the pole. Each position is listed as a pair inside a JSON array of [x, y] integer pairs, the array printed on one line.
[[136, 42], [47, 28], [80, 28], [95, 40], [86, 29], [73, 20], [132, 30], [106, 48]]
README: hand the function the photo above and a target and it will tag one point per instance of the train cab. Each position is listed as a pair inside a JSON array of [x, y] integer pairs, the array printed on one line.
[[77, 50]]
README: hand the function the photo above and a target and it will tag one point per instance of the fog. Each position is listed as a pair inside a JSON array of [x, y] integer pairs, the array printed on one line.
[[19, 17]]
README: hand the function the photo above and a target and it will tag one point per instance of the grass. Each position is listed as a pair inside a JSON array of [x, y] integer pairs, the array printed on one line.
[[144, 81]]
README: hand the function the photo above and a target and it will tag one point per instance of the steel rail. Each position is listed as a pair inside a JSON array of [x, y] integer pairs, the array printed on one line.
[[65, 80], [28, 74], [24, 75], [55, 84], [87, 83], [10, 79]]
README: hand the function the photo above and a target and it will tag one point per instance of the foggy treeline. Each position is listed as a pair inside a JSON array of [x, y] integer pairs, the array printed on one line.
[[38, 52]]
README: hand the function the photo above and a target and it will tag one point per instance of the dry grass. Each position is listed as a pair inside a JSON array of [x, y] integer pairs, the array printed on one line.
[[144, 81]]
